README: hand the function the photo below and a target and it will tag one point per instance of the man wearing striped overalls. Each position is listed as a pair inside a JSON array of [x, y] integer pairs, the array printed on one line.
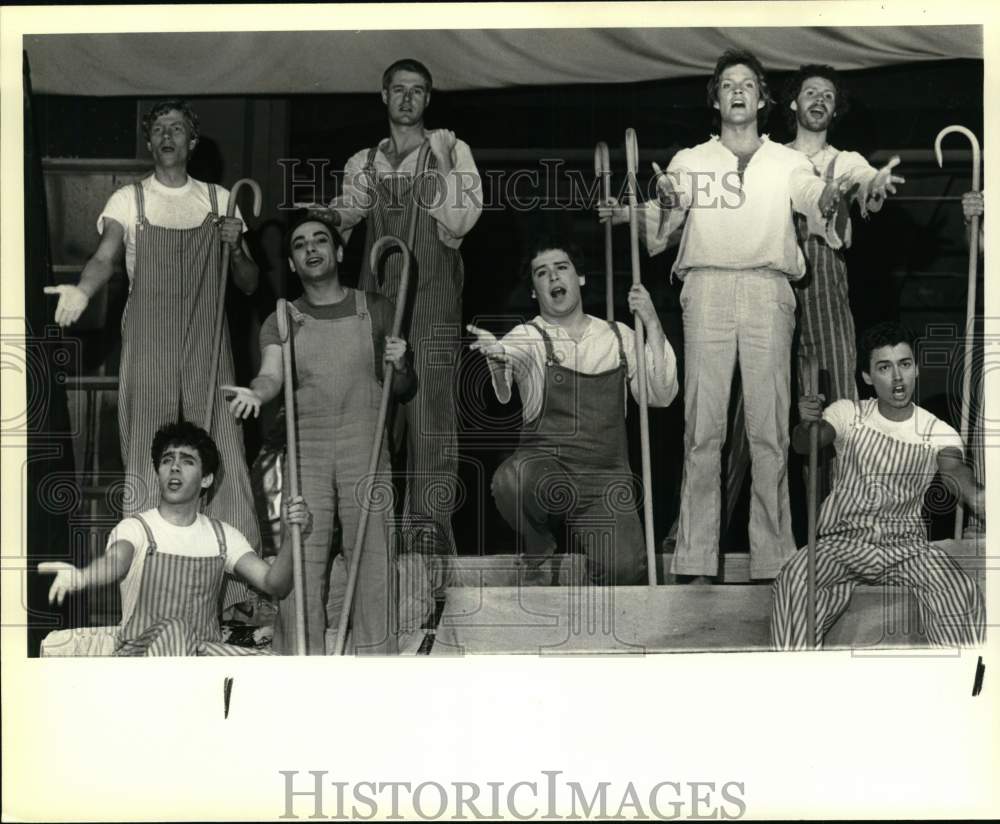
[[379, 187], [170, 560], [172, 228], [813, 100], [870, 527]]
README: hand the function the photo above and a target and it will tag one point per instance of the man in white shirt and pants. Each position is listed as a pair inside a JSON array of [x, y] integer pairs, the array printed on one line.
[[734, 195]]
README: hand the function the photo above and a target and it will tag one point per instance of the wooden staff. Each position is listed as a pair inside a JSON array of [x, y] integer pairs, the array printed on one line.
[[970, 301], [220, 311], [632, 163], [377, 250], [813, 367], [292, 468], [602, 169]]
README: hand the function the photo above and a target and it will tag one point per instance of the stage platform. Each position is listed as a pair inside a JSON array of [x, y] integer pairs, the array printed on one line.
[[495, 611]]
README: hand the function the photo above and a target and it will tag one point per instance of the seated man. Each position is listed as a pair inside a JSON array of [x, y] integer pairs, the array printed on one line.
[[572, 465], [341, 339], [170, 560], [870, 528]]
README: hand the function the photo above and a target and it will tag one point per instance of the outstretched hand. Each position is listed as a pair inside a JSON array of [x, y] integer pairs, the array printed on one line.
[[243, 401], [68, 579], [487, 343], [72, 302], [885, 181]]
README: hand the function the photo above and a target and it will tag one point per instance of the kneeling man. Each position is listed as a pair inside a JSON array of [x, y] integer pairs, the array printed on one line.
[[572, 467]]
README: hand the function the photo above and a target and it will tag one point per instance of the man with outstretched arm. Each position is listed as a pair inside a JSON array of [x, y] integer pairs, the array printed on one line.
[[572, 467], [734, 196], [172, 229], [870, 527], [170, 560]]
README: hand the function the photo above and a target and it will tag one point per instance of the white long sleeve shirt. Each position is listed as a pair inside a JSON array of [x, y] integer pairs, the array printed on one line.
[[731, 223], [860, 172], [595, 352], [456, 208]]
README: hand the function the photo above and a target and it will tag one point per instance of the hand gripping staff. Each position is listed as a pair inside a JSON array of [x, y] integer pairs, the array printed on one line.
[[292, 468], [632, 163], [970, 300], [378, 249], [602, 169], [220, 310], [813, 366]]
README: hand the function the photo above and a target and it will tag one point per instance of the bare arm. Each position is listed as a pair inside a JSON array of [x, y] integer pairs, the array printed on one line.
[[959, 479], [276, 579], [248, 401], [110, 568], [73, 300]]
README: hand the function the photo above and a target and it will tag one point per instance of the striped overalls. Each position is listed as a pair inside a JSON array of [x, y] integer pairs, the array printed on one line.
[[177, 612], [870, 530], [167, 334]]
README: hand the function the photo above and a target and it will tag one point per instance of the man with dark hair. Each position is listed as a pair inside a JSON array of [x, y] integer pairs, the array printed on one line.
[[813, 100], [342, 337], [870, 527], [170, 560], [380, 187], [571, 370], [734, 196], [172, 229]]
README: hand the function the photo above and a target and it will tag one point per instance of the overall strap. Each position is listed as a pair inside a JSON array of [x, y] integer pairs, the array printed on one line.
[[828, 174], [140, 202], [150, 540], [622, 360], [220, 535], [360, 303], [550, 354], [213, 198]]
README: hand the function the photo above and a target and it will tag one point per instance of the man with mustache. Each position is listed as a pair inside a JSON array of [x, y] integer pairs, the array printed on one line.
[[813, 99], [172, 229], [571, 467]]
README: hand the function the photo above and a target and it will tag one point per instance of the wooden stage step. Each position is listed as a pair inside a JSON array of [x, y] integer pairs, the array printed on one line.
[[491, 611]]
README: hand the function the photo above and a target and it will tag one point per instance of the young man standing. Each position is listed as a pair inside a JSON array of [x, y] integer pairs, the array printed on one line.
[[170, 560], [734, 195], [341, 338], [571, 370], [172, 228], [380, 188], [870, 527]]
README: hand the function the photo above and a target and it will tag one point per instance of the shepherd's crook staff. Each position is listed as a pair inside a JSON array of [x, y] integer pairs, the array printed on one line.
[[377, 250], [292, 467], [602, 169], [632, 163], [970, 302], [220, 310]]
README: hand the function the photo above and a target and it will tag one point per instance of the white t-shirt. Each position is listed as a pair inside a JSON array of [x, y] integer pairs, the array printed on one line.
[[841, 415], [182, 208], [195, 541]]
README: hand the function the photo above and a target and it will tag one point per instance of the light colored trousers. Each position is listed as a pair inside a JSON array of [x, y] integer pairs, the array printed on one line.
[[749, 315]]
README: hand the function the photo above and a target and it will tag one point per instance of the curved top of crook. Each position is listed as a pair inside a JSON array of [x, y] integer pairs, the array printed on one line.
[[631, 151], [947, 130], [602, 165], [257, 196]]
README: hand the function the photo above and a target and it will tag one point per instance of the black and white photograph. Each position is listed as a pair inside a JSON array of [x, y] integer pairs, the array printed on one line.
[[521, 411]]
